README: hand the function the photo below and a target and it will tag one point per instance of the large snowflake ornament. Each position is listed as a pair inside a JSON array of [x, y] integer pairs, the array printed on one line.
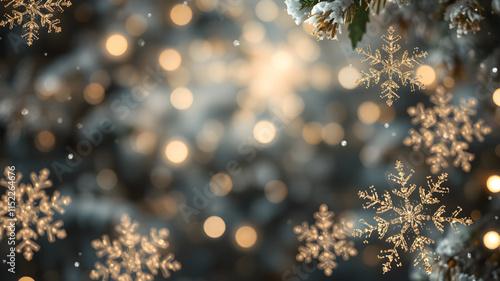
[[390, 68], [33, 13], [33, 212], [132, 253], [325, 240], [408, 218], [446, 131]]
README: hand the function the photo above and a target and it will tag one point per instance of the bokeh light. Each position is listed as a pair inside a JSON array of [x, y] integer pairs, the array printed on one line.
[[214, 227], [333, 133], [221, 184], [170, 59], [368, 112], [312, 133], [181, 98], [145, 142], [493, 183], [246, 236], [116, 45], [496, 97], [491, 240], [93, 93], [275, 191], [136, 25], [106, 179], [181, 14], [176, 151], [428, 75], [348, 76], [266, 10], [45, 141], [264, 131]]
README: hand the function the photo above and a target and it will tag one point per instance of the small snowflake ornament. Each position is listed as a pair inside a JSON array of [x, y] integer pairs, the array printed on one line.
[[31, 13], [389, 69], [34, 210], [132, 256], [446, 131], [408, 217], [325, 240]]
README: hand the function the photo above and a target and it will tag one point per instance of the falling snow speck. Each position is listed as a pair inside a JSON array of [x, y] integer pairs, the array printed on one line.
[[77, 264], [141, 43], [386, 125], [79, 253], [70, 156], [150, 15], [236, 43], [45, 54], [393, 134], [489, 197], [343, 143], [59, 120], [496, 217], [24, 111], [469, 255], [79, 125], [494, 70]]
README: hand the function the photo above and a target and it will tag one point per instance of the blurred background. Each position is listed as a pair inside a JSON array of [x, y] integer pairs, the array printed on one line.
[[228, 124]]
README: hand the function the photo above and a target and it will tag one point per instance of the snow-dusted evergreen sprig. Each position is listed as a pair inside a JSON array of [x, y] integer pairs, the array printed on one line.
[[465, 15], [327, 18]]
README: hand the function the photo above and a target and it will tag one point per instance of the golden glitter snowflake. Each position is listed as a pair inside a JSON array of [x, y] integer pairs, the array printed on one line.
[[34, 13], [446, 131], [390, 67], [126, 258], [408, 218], [33, 212], [325, 240]]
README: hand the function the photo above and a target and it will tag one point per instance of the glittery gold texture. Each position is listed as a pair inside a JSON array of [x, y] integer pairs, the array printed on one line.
[[131, 255], [33, 14], [34, 211], [325, 240], [408, 217], [390, 68], [446, 131]]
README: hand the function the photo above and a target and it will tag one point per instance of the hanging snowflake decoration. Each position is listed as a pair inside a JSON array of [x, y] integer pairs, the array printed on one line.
[[325, 240], [446, 131], [126, 258], [34, 13], [390, 68], [465, 15], [409, 218], [33, 212]]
